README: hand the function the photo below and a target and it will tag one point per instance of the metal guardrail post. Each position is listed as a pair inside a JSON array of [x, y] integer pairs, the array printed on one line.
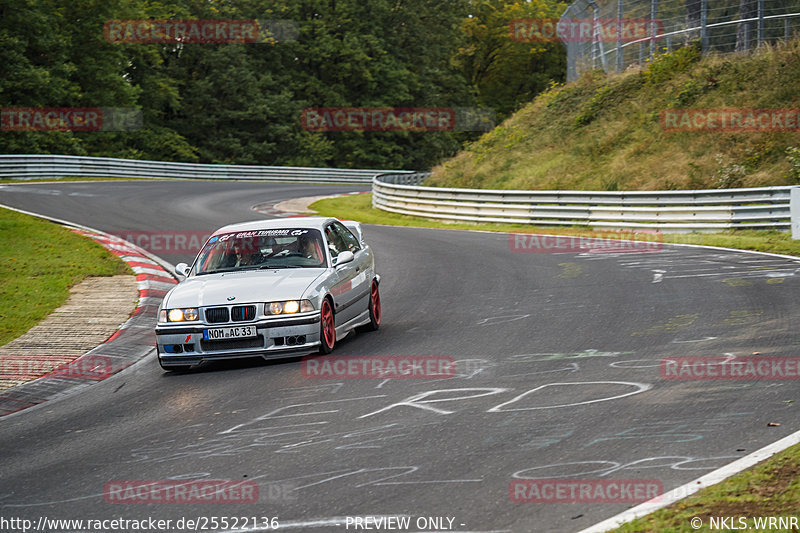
[[620, 14], [704, 25], [746, 37], [593, 49], [794, 208], [597, 38], [653, 26], [760, 22]]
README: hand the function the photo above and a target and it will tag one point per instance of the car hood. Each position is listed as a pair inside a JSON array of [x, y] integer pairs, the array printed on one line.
[[244, 287]]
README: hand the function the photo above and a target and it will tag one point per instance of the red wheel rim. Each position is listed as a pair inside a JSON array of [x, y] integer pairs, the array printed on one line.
[[375, 298], [328, 328]]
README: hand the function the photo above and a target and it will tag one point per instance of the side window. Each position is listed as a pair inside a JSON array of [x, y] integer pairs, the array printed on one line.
[[349, 239], [336, 244]]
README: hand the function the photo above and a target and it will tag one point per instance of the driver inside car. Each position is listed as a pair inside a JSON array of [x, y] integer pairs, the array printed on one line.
[[243, 253], [308, 248]]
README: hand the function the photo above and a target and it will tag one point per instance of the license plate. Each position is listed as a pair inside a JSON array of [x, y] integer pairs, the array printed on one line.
[[229, 333]]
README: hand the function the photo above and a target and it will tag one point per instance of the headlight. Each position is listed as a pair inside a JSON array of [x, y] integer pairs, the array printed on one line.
[[178, 315], [288, 307]]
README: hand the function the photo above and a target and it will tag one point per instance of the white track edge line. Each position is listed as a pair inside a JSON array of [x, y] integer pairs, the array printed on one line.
[[712, 478]]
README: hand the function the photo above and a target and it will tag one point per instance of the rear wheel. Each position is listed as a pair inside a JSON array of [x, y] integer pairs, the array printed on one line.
[[327, 328], [374, 307]]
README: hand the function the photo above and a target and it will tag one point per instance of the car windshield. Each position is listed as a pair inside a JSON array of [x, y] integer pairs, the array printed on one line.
[[262, 249]]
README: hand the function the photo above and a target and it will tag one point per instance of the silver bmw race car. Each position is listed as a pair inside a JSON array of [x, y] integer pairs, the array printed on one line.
[[270, 288]]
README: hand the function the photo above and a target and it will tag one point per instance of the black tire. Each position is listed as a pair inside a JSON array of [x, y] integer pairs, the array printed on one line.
[[327, 328], [374, 308]]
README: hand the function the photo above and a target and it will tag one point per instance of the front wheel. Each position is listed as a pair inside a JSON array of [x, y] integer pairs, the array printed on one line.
[[374, 307], [327, 328]]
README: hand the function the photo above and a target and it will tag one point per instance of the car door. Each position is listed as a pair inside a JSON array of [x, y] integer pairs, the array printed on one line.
[[363, 262], [344, 293]]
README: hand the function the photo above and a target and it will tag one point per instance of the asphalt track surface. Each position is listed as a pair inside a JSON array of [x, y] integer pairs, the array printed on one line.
[[558, 358]]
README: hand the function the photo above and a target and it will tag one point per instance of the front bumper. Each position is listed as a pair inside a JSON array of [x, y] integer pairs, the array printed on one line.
[[180, 344]]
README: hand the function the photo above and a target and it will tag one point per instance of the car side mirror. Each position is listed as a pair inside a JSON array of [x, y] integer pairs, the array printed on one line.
[[182, 269], [344, 257]]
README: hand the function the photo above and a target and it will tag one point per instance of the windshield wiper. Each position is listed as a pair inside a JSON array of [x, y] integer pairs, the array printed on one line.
[[250, 267], [228, 270], [268, 267], [218, 271]]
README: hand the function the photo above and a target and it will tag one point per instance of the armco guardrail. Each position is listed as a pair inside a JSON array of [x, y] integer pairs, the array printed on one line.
[[24, 167], [400, 192], [673, 211]]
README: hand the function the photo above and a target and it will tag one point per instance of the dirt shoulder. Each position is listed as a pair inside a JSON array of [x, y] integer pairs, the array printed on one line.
[[95, 310]]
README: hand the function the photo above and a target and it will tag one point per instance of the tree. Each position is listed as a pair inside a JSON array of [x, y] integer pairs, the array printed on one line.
[[241, 102], [507, 73]]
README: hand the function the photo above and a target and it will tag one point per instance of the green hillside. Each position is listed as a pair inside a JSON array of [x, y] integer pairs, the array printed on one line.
[[604, 132]]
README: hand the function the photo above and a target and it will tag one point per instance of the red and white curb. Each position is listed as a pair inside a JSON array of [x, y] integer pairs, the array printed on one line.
[[153, 279], [134, 339]]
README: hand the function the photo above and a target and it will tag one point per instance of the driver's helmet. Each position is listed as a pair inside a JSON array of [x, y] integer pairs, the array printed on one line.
[[306, 244], [247, 249]]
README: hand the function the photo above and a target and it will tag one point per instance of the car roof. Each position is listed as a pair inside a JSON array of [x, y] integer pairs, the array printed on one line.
[[276, 223]]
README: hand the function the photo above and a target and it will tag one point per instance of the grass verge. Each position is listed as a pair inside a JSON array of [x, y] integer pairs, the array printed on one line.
[[39, 262], [359, 207], [606, 132], [771, 488]]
